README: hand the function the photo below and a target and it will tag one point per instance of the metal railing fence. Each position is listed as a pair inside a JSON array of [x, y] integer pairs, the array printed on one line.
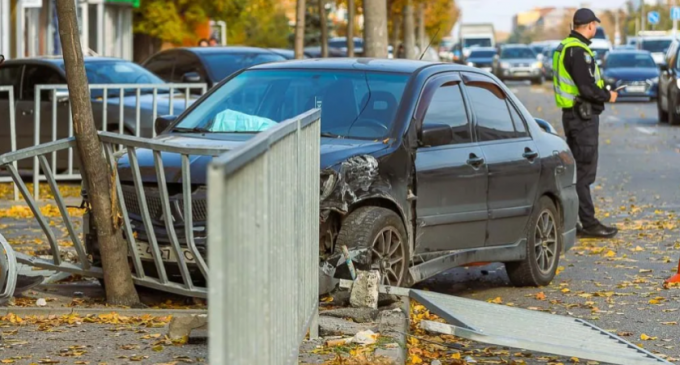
[[263, 212], [11, 117], [153, 207]]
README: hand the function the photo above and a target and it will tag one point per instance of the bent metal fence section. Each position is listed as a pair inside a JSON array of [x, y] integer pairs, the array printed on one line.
[[9, 92], [165, 230], [263, 211]]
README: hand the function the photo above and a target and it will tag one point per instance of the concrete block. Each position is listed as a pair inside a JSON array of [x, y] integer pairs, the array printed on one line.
[[181, 326], [365, 290], [359, 315], [330, 326]]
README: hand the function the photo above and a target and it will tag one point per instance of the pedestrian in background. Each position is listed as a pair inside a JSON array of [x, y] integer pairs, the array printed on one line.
[[213, 42], [580, 92], [203, 43], [401, 51]]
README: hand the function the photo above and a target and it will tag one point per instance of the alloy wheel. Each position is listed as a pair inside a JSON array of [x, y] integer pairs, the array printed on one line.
[[389, 256], [545, 242]]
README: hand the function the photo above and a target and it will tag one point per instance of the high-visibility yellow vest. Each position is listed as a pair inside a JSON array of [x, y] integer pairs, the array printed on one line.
[[565, 87]]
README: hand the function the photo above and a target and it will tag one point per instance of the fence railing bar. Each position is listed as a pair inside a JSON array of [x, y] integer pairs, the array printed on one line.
[[171, 109], [188, 215], [138, 113], [127, 229], [187, 91], [10, 269], [36, 212], [121, 111], [154, 111], [146, 217], [70, 134], [13, 133], [42, 149], [64, 266], [77, 244], [159, 145], [54, 127], [36, 142], [168, 219], [105, 108]]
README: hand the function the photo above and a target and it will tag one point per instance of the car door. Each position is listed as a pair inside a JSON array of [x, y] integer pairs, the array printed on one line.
[[10, 75], [666, 76], [451, 179], [511, 156], [41, 75]]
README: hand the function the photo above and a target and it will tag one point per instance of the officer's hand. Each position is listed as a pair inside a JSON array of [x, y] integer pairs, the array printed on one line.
[[612, 96]]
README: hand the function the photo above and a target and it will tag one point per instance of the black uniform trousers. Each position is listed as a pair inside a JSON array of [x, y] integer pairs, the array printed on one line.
[[582, 138]]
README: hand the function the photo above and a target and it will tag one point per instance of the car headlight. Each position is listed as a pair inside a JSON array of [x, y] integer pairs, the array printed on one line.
[[537, 65], [471, 64], [327, 184], [505, 65]]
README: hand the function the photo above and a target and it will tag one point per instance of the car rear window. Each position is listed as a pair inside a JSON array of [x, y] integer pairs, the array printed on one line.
[[517, 53], [221, 65]]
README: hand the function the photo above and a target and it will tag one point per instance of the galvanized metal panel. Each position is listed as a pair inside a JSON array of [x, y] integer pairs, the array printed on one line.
[[531, 330]]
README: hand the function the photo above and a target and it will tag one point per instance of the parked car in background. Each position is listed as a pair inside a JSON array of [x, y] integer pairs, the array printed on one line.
[[25, 73], [446, 49], [627, 47], [656, 45], [315, 52], [288, 54], [518, 62], [482, 57], [492, 184], [340, 43], [668, 102], [206, 64], [635, 69], [547, 62]]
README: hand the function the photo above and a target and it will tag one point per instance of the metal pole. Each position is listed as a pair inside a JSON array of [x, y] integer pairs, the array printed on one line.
[[642, 16], [675, 21], [617, 33]]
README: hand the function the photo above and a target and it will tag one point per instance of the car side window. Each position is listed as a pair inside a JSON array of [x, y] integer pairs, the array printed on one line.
[[518, 121], [39, 75], [447, 107], [162, 65], [187, 63], [491, 111], [10, 75]]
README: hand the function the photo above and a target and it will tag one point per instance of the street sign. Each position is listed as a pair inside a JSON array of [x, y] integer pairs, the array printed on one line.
[[653, 17], [675, 13]]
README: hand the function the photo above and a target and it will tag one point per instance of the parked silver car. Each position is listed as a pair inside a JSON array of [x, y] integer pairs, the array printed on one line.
[[518, 62]]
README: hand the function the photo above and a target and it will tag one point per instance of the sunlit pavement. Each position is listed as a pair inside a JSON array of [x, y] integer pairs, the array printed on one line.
[[616, 284]]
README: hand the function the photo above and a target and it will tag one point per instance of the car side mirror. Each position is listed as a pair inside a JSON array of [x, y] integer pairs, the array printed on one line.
[[191, 77], [163, 122], [545, 126], [433, 135]]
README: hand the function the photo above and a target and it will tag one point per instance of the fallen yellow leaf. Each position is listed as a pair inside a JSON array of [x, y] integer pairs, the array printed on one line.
[[455, 356], [559, 270], [644, 337], [610, 253]]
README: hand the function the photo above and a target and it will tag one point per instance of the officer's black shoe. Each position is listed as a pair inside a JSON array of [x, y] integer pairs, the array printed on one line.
[[598, 231]]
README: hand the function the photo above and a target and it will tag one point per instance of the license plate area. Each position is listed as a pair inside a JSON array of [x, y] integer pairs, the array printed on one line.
[[636, 89], [167, 253]]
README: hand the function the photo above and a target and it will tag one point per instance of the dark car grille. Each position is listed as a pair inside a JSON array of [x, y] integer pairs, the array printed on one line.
[[199, 209]]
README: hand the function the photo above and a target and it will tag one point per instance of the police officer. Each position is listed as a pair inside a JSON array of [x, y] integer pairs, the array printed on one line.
[[580, 92]]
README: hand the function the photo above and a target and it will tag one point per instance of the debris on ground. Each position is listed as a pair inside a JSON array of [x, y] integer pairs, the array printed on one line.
[[364, 292]]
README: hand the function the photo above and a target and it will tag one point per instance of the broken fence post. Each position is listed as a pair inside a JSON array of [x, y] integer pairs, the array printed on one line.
[[350, 264]]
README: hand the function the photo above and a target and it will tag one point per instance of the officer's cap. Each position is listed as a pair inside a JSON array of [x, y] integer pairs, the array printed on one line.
[[584, 16]]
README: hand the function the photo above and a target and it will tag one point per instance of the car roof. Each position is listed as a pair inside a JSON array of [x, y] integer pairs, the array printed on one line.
[[656, 38], [365, 64], [58, 60], [630, 51], [515, 45], [223, 49], [483, 49]]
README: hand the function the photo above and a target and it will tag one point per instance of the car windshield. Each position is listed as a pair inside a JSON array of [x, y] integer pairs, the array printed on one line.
[[119, 72], [537, 49], [221, 65], [630, 60], [517, 53], [482, 54], [354, 104], [658, 45], [480, 42]]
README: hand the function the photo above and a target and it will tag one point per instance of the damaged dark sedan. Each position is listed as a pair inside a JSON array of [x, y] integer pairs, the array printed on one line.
[[424, 166]]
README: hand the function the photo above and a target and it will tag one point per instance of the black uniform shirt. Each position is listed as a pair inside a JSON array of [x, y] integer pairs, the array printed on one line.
[[581, 67]]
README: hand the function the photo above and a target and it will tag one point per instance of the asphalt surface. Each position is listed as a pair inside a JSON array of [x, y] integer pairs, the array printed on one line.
[[615, 284]]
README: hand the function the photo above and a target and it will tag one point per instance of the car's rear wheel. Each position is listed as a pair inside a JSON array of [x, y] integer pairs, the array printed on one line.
[[544, 245], [663, 115], [381, 230]]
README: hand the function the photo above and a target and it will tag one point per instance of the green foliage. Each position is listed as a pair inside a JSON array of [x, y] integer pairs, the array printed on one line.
[[249, 22], [665, 22]]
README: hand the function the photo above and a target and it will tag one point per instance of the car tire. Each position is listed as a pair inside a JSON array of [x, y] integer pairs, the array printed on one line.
[[378, 228], [544, 235], [663, 115]]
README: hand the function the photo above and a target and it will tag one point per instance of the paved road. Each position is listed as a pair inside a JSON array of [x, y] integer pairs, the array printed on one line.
[[638, 190]]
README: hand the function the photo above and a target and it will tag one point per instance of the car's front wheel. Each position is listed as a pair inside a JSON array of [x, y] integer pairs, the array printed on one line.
[[381, 230], [544, 245], [663, 115]]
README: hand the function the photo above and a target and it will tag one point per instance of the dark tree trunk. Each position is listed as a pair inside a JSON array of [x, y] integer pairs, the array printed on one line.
[[324, 28], [119, 287], [350, 28], [300, 29]]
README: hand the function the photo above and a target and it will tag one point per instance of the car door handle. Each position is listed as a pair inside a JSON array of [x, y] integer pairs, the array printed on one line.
[[529, 154], [27, 112], [475, 161]]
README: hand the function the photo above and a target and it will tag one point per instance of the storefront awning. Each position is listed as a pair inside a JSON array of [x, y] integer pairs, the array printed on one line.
[[134, 3]]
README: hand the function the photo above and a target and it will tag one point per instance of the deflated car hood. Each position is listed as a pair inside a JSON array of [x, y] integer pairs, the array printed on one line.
[[333, 152]]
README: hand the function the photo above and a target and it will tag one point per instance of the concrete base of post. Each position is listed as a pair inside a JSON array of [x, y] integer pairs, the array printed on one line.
[[180, 327]]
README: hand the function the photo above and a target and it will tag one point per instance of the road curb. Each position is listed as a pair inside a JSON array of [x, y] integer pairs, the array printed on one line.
[[31, 311], [395, 325]]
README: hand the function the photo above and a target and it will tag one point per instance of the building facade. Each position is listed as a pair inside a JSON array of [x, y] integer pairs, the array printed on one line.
[[29, 28]]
